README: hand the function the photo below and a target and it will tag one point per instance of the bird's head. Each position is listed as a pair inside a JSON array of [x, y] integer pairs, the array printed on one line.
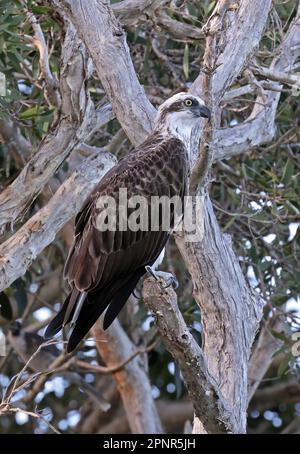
[[182, 109], [179, 114]]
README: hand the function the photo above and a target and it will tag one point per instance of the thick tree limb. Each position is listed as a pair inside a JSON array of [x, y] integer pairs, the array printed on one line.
[[40, 43], [242, 38], [259, 128], [286, 392], [17, 253], [230, 309], [106, 42], [77, 119], [204, 393], [114, 347]]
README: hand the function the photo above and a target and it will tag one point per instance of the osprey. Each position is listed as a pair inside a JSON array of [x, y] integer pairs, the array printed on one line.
[[104, 266]]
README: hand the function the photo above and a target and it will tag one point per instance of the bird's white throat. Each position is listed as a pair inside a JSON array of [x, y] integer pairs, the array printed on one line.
[[178, 125]]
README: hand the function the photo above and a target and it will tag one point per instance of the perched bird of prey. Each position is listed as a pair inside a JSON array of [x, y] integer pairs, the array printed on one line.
[[104, 267], [26, 346]]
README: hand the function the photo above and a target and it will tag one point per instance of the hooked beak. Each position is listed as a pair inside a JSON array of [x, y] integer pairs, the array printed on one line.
[[202, 111], [205, 112]]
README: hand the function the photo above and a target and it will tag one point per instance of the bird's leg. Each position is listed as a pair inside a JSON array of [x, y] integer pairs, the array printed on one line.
[[169, 278]]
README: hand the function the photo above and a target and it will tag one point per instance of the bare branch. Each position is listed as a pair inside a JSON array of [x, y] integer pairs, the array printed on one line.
[[277, 76], [179, 30], [237, 92], [77, 120], [7, 409], [260, 128], [16, 379], [133, 12], [201, 168], [243, 35], [220, 70], [130, 12], [17, 253], [18, 145]]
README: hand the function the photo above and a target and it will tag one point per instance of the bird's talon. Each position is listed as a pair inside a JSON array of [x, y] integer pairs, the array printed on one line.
[[150, 271], [134, 294], [171, 282]]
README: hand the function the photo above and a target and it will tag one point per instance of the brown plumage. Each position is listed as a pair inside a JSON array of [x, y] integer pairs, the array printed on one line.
[[108, 265]]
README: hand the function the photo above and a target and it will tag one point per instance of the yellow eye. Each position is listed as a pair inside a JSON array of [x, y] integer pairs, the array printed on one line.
[[188, 102]]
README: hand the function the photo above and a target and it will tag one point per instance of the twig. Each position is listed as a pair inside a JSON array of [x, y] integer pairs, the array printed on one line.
[[277, 76], [111, 370], [53, 369]]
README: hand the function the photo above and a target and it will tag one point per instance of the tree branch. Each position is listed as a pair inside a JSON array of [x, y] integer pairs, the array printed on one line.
[[114, 347], [230, 311], [277, 76], [286, 392], [40, 44], [17, 253], [130, 12], [76, 121], [259, 128], [204, 393], [243, 36]]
